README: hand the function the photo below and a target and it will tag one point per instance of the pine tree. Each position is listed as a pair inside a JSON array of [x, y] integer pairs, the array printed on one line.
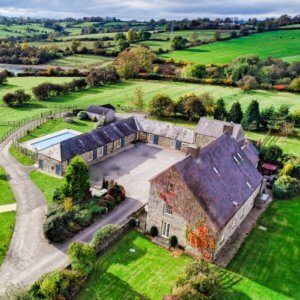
[[235, 114], [251, 119], [220, 110]]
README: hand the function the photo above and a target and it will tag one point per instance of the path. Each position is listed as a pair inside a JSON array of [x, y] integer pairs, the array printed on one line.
[[30, 255], [8, 208]]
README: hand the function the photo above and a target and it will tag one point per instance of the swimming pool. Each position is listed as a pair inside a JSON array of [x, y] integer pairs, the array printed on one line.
[[50, 141]]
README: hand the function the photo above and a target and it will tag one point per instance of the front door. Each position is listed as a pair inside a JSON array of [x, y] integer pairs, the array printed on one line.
[[57, 170], [94, 154], [41, 164]]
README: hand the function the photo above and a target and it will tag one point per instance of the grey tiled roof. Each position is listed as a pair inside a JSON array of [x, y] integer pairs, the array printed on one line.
[[166, 130], [216, 128], [250, 150], [97, 138], [99, 110], [218, 182]]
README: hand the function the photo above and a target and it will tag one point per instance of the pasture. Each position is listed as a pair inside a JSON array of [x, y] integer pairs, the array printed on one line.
[[122, 94], [284, 44], [271, 257]]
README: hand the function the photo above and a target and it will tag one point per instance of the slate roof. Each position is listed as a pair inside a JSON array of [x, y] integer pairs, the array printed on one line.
[[166, 130], [216, 128], [219, 182], [99, 110], [250, 150]]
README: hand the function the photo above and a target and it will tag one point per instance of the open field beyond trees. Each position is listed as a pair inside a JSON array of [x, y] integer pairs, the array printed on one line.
[[122, 94], [278, 44], [271, 257], [7, 224]]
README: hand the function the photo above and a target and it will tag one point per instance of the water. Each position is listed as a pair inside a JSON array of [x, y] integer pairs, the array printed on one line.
[[16, 69], [48, 142]]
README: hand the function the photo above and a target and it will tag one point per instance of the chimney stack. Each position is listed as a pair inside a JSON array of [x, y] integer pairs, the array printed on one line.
[[194, 150]]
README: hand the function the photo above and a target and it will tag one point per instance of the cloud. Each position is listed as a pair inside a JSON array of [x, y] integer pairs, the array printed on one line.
[[147, 9]]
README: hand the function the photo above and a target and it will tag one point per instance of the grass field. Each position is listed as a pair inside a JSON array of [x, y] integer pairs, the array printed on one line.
[[6, 195], [122, 94], [62, 45], [151, 272], [280, 44], [7, 224], [20, 157], [271, 257], [80, 61], [47, 184]]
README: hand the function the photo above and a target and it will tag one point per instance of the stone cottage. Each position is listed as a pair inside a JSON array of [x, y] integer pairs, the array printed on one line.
[[100, 113], [203, 198]]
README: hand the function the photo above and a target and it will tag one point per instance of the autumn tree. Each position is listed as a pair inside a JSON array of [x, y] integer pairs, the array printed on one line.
[[247, 83], [161, 106], [208, 102], [193, 106], [138, 99]]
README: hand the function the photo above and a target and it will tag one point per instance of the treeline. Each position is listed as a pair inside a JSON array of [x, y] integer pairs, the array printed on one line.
[[192, 107], [13, 53]]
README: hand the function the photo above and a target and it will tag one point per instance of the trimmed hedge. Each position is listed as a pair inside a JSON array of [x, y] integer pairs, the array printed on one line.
[[103, 234]]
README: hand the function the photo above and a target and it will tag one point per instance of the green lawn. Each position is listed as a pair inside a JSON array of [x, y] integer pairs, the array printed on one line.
[[271, 258], [280, 44], [80, 61], [289, 145], [22, 158], [7, 224], [47, 184], [151, 272], [6, 195], [59, 124]]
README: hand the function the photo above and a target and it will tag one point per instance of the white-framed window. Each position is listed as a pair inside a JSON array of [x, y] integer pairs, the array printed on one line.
[[151, 138], [168, 209], [100, 151], [165, 231], [90, 155], [173, 144]]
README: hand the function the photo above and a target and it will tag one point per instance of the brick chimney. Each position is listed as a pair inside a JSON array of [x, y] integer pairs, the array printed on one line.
[[194, 150]]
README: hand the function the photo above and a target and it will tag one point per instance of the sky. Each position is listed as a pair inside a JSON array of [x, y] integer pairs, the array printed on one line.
[[147, 9]]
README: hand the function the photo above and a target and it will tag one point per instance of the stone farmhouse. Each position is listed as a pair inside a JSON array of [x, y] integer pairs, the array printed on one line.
[[204, 198]]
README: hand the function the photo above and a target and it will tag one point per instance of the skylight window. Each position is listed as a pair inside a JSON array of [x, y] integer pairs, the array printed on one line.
[[236, 159], [235, 203], [216, 171], [240, 156], [249, 185]]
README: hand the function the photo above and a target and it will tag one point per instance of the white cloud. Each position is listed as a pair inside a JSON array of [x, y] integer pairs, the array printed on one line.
[[147, 9]]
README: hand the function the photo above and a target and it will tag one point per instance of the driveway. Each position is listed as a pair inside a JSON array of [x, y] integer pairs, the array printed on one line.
[[134, 167]]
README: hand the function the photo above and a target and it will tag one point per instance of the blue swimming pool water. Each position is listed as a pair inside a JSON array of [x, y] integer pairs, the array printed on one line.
[[48, 142]]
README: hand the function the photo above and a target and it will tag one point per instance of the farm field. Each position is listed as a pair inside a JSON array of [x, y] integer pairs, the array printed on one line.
[[271, 257], [89, 36], [6, 194], [155, 273], [122, 93], [7, 224], [80, 61], [279, 44], [47, 184], [155, 45], [203, 35]]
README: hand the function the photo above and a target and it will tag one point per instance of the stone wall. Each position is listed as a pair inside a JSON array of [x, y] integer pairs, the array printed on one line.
[[237, 219], [49, 164], [202, 140]]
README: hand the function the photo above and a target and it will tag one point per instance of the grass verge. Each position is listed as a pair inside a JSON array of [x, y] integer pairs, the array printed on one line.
[[6, 194], [20, 157]]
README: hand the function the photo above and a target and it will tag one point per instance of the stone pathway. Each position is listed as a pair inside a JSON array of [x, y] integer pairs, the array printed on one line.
[[8, 207]]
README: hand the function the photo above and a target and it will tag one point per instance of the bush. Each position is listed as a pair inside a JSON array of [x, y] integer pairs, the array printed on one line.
[[271, 153], [173, 241], [84, 217], [57, 195], [116, 191], [82, 257], [286, 187], [154, 231], [82, 115], [56, 285], [103, 234]]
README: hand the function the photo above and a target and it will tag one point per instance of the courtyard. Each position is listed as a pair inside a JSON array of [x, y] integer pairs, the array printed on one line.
[[134, 167]]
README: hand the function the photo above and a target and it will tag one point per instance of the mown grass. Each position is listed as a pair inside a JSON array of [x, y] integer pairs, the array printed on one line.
[[6, 194], [279, 44], [57, 125], [7, 225], [271, 257], [20, 157], [151, 272], [47, 184]]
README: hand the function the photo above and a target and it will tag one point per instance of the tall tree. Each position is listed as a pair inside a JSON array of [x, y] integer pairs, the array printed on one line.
[[220, 112], [161, 106], [178, 43], [252, 119], [138, 99], [235, 114]]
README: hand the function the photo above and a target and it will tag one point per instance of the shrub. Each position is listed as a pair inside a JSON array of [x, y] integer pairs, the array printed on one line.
[[103, 234], [82, 115], [153, 231], [116, 191], [57, 195], [173, 241], [82, 257], [271, 153], [56, 285], [84, 217], [286, 187]]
